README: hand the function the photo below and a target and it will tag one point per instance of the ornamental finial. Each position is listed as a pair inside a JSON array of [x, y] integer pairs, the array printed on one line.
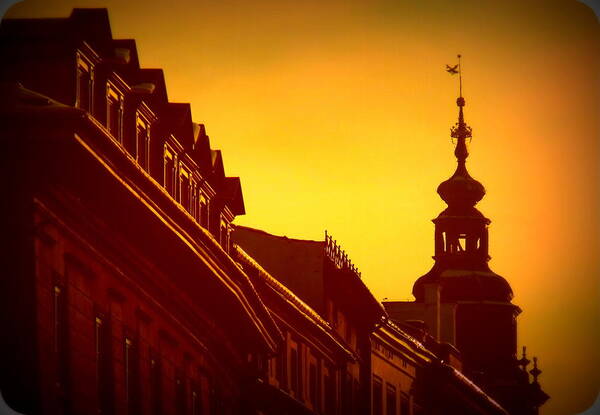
[[461, 131], [535, 372]]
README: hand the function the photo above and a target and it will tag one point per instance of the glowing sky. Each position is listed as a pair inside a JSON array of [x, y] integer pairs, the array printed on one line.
[[336, 115]]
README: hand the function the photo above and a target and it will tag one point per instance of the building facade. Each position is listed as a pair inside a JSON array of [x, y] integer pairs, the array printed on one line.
[[126, 289], [388, 370], [320, 275], [118, 291]]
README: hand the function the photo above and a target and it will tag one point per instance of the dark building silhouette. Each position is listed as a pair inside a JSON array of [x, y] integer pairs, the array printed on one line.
[[385, 369], [118, 294], [322, 278], [126, 289], [464, 303]]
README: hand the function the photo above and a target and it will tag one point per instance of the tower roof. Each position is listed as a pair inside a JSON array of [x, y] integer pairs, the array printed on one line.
[[461, 236], [461, 190]]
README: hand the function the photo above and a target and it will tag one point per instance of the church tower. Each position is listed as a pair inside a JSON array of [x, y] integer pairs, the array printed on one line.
[[461, 301], [485, 318]]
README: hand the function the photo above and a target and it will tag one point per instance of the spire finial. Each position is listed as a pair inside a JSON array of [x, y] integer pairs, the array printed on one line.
[[535, 372], [459, 79], [461, 131], [523, 362], [453, 70]]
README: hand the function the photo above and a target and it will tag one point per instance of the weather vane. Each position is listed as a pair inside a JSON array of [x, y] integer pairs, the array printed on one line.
[[461, 130], [453, 70]]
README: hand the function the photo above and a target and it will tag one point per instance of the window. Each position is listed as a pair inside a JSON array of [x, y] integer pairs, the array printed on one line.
[[348, 332], [203, 214], [280, 368], [155, 384], [347, 393], [114, 112], [142, 143], [272, 368], [224, 235], [84, 86], [404, 404], [312, 384], [196, 404], [60, 338], [169, 171], [295, 371], [194, 200], [377, 396], [184, 188], [103, 365], [180, 395], [215, 400], [329, 395], [132, 383], [390, 399]]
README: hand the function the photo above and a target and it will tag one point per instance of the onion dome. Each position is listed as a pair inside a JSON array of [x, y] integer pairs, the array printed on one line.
[[461, 190]]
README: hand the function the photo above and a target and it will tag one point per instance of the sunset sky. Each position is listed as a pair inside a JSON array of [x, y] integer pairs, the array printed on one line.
[[336, 115]]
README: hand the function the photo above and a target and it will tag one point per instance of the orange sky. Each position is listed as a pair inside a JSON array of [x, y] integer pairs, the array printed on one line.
[[336, 116]]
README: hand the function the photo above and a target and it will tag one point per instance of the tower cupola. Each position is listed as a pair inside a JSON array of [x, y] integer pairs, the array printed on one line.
[[461, 191], [461, 232]]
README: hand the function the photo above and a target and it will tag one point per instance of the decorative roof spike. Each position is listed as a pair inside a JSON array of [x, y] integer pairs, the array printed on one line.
[[523, 362], [535, 372]]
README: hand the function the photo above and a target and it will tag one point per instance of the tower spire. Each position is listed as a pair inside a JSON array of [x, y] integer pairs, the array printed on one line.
[[459, 77], [461, 189], [461, 131]]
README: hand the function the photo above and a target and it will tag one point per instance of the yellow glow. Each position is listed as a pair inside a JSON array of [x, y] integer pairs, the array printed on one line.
[[337, 117]]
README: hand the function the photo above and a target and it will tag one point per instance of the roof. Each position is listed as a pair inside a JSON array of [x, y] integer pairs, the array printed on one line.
[[296, 263], [295, 302], [466, 385], [20, 102], [232, 193], [306, 269]]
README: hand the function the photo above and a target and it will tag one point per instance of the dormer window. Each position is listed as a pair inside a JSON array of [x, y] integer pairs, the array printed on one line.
[[194, 199], [85, 59], [224, 235], [84, 85], [114, 111], [184, 188], [203, 210], [142, 141], [169, 170]]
